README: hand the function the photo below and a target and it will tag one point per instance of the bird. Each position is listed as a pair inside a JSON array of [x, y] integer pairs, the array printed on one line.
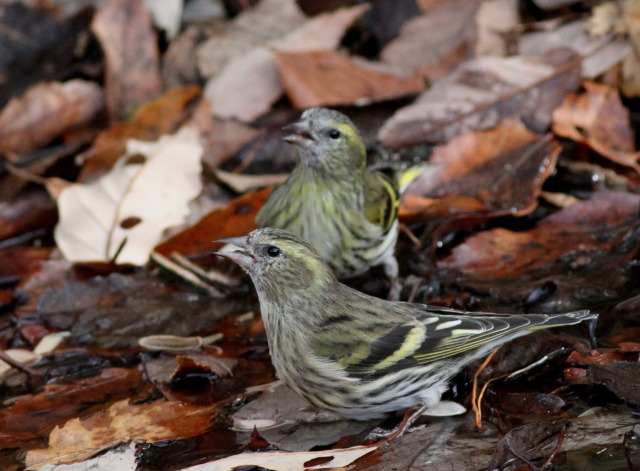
[[347, 212], [357, 355]]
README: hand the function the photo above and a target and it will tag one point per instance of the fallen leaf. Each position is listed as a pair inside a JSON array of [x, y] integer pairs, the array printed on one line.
[[514, 159], [596, 357], [598, 54], [124, 30], [621, 377], [78, 439], [580, 227], [495, 21], [248, 86], [598, 118], [24, 419], [242, 183], [306, 76], [37, 44], [18, 354], [164, 115], [45, 112], [289, 461], [434, 43], [236, 218], [483, 92], [126, 210]]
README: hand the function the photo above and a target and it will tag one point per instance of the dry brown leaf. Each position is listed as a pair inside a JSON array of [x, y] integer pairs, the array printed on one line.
[[163, 115], [433, 43], [483, 92], [500, 171], [132, 57], [495, 21], [45, 112], [598, 118], [328, 78], [248, 86], [79, 439], [126, 210]]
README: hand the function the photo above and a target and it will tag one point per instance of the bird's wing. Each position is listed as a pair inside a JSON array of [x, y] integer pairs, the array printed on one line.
[[382, 200]]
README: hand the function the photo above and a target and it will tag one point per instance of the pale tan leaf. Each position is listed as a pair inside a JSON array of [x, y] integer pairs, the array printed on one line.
[[45, 112], [134, 203], [132, 76], [288, 461], [481, 93], [495, 20]]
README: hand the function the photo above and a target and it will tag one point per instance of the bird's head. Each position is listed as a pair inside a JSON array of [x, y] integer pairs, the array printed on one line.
[[278, 261], [327, 139]]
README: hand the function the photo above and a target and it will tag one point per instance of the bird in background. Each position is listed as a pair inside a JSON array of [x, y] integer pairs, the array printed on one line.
[[346, 212], [357, 355]]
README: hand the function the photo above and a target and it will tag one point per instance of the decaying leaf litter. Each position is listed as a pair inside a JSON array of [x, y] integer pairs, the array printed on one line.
[[527, 111]]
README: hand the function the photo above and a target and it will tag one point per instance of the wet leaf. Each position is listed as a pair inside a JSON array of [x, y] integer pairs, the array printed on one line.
[[237, 217], [79, 439], [483, 92], [621, 377], [156, 192]]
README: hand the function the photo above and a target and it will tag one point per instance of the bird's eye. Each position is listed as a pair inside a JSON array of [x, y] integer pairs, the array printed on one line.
[[273, 251], [334, 133]]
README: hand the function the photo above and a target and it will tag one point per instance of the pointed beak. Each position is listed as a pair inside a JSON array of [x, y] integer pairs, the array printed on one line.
[[299, 133], [241, 257]]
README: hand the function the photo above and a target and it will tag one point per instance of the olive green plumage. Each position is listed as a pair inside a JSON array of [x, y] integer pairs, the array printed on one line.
[[348, 213], [357, 355]]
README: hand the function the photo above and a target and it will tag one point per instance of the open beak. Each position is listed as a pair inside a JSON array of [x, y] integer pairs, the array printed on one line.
[[299, 134], [241, 257]]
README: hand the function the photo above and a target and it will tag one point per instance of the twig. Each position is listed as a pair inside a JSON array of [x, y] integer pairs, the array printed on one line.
[[475, 400]]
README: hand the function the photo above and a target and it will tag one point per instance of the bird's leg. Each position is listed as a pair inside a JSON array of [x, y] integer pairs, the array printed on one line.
[[391, 270], [410, 416]]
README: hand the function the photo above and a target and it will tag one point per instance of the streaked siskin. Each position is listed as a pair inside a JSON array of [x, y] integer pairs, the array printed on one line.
[[357, 355], [346, 212]]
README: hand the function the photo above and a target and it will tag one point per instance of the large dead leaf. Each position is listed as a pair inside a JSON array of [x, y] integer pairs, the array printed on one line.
[[515, 161], [305, 76], [598, 118], [79, 439], [127, 209], [236, 218], [132, 57], [32, 416], [163, 115], [584, 226], [433, 43], [45, 112], [481, 93], [248, 86]]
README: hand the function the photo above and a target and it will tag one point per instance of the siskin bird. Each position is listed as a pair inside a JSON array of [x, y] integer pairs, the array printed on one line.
[[356, 355], [348, 213]]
